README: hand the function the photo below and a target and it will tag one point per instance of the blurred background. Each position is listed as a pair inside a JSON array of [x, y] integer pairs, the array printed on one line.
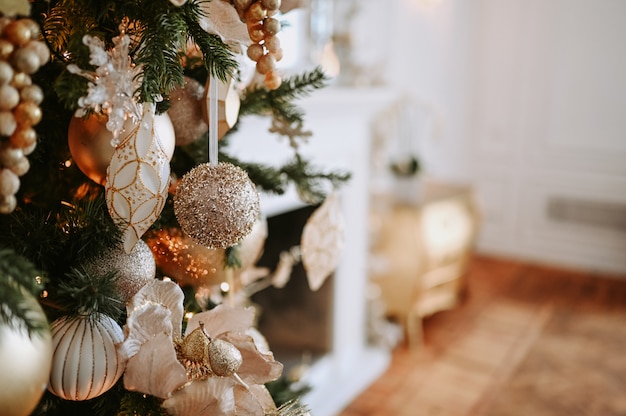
[[486, 139], [523, 100]]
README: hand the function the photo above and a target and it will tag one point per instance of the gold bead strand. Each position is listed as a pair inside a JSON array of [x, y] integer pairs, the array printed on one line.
[[271, 43], [21, 55], [265, 49]]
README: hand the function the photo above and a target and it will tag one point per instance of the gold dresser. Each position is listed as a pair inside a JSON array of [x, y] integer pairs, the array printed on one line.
[[420, 249]]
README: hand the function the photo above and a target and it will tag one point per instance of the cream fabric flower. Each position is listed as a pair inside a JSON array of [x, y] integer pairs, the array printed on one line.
[[157, 366]]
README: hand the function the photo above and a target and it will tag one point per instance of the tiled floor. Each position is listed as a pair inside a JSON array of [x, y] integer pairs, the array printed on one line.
[[470, 352]]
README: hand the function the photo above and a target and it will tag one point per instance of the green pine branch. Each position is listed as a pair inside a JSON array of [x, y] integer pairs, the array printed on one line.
[[81, 293], [20, 285], [279, 102], [160, 32], [218, 58], [292, 408], [138, 404], [163, 35], [311, 183]]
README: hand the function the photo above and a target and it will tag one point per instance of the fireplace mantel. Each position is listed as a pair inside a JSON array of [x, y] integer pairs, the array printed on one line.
[[341, 121]]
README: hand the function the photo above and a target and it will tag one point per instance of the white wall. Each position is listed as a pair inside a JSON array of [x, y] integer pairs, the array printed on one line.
[[430, 61], [527, 101], [549, 121]]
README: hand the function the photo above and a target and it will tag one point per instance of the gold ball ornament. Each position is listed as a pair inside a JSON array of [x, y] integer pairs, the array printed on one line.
[[26, 60], [10, 156], [85, 363], [90, 142], [21, 80], [186, 112], [187, 262], [21, 167], [9, 97], [191, 264], [134, 269], [32, 93], [272, 80], [27, 113], [9, 182], [255, 52], [25, 363], [6, 71], [17, 32], [23, 137], [7, 204], [7, 123], [271, 5], [90, 145], [271, 26], [216, 205], [6, 49]]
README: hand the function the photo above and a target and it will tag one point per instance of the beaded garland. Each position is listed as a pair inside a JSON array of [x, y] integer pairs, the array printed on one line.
[[21, 55], [265, 49]]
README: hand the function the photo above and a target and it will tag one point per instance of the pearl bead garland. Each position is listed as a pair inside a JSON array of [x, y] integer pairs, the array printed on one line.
[[21, 55], [265, 49]]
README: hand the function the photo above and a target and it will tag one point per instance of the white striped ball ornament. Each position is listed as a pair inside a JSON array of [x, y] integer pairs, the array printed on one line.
[[85, 361]]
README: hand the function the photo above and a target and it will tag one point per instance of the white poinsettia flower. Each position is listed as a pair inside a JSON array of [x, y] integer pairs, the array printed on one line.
[[183, 369]]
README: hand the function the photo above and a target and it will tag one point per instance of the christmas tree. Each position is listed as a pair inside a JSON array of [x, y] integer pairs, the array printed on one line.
[[123, 214]]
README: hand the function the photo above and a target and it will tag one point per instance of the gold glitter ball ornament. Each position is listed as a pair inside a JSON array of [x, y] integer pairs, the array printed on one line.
[[134, 269], [216, 205], [186, 112], [194, 346], [224, 358]]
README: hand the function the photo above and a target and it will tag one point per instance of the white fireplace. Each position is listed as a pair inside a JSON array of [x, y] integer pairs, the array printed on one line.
[[341, 122]]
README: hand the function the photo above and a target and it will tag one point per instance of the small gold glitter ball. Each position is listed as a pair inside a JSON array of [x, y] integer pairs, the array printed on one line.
[[216, 205], [224, 358], [134, 270], [194, 346], [186, 112]]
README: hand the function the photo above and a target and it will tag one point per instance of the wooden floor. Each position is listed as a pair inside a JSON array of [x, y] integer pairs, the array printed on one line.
[[469, 353]]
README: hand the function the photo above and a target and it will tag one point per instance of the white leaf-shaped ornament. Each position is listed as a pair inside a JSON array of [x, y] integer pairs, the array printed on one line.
[[221, 18], [322, 241], [139, 175]]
